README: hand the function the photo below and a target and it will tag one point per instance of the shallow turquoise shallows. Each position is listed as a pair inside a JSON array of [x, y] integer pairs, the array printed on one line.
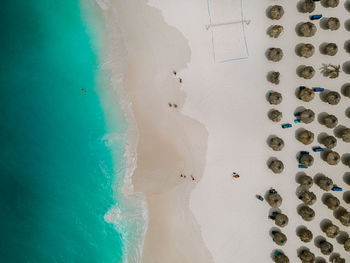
[[56, 172]]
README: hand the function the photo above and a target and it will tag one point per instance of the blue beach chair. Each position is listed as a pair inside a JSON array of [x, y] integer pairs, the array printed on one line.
[[337, 188], [287, 125], [318, 149], [260, 197], [315, 17]]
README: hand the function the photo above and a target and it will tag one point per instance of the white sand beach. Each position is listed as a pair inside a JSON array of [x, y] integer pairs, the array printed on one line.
[[220, 126]]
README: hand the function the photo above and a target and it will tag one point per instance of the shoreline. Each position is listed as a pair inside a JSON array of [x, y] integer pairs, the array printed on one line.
[[176, 143], [129, 216]]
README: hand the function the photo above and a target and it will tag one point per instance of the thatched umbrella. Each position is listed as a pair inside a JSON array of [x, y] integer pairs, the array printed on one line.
[[347, 245], [331, 3], [275, 98], [306, 50], [332, 158], [306, 94], [333, 23], [338, 259], [307, 29], [305, 235], [274, 77], [276, 12], [307, 6], [279, 238], [275, 31], [332, 202], [275, 115], [275, 54], [331, 230], [326, 247], [325, 183], [307, 256], [345, 135], [276, 166], [308, 198], [320, 260], [333, 98], [330, 121], [306, 137], [276, 143], [306, 213], [274, 200], [330, 142], [281, 220], [305, 182], [331, 49], [307, 116], [306, 160], [281, 258], [347, 91], [344, 217], [307, 72]]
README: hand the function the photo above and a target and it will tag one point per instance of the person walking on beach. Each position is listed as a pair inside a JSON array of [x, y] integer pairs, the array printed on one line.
[[192, 177], [235, 175]]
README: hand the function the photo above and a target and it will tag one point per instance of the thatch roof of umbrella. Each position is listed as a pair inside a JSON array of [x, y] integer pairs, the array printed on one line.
[[344, 217], [276, 166], [332, 158], [281, 258], [274, 77], [345, 135], [307, 6], [306, 50], [333, 23], [333, 98], [306, 160], [305, 181], [305, 235], [307, 256], [331, 3], [306, 94], [331, 49], [274, 200], [275, 54], [331, 230], [306, 137], [330, 142], [307, 116], [281, 220], [307, 72], [276, 143], [325, 183], [330, 121], [276, 12], [306, 213], [275, 115], [338, 259], [307, 29], [326, 247], [275, 98], [275, 31], [308, 198], [347, 244], [279, 238], [332, 202]]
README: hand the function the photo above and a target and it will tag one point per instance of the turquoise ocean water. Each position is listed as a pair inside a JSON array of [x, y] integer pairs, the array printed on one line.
[[57, 174]]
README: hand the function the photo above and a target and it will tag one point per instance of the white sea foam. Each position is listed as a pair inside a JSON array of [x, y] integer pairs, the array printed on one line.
[[129, 215]]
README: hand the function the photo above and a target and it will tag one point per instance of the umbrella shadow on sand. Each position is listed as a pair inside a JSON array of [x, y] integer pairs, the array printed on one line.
[[346, 178]]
